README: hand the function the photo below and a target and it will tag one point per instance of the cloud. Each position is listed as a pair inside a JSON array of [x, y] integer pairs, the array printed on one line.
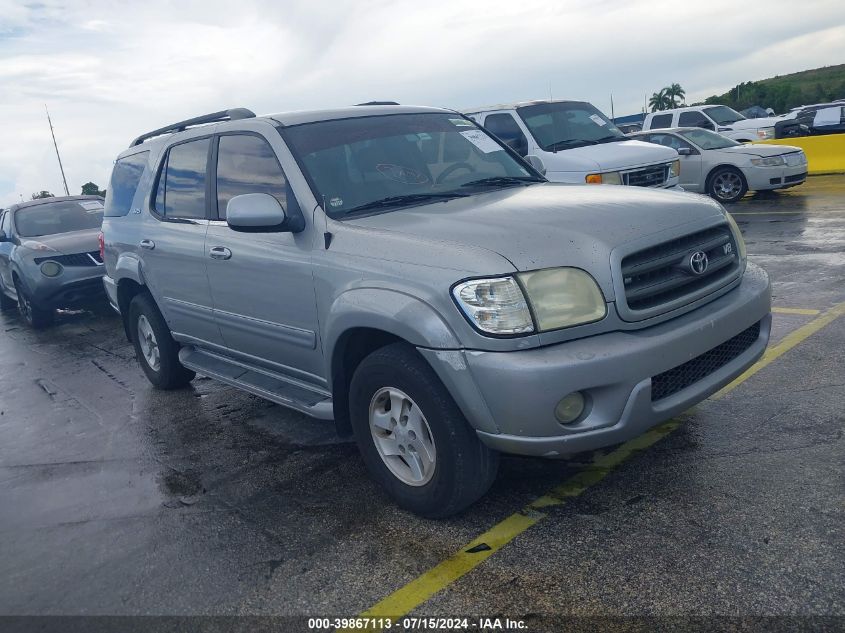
[[109, 71]]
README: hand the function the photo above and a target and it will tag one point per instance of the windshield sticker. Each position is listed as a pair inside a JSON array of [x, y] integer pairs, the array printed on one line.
[[405, 175], [462, 123], [598, 120], [336, 202], [91, 205], [481, 141]]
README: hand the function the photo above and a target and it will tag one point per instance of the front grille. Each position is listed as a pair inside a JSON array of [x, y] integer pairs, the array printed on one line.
[[75, 259], [680, 377], [664, 273], [652, 176], [796, 177]]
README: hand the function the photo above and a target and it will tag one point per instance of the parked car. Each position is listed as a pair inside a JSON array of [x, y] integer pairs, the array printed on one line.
[[50, 257], [403, 272], [571, 141], [717, 118], [726, 169], [820, 118]]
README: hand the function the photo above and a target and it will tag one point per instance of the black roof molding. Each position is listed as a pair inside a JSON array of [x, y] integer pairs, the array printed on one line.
[[215, 117], [369, 103]]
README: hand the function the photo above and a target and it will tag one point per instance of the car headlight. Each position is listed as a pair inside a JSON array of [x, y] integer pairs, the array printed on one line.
[[675, 168], [607, 178], [766, 132], [495, 306], [51, 269], [770, 161], [35, 245], [558, 298]]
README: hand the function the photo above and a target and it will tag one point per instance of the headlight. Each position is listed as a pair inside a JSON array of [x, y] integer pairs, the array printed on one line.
[[675, 168], [740, 242], [771, 161], [563, 297], [36, 246], [559, 297], [766, 132], [51, 269], [495, 306], [608, 178]]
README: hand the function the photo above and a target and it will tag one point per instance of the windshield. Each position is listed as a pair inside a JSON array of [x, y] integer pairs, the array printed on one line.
[[706, 139], [59, 217], [723, 115], [383, 162], [566, 124]]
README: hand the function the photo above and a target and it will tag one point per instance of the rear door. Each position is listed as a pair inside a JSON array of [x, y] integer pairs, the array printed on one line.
[[172, 243], [262, 284]]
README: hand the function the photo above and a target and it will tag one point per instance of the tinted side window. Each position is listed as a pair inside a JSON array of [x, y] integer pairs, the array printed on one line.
[[660, 121], [124, 181], [247, 164], [181, 185], [694, 119], [506, 128], [5, 223]]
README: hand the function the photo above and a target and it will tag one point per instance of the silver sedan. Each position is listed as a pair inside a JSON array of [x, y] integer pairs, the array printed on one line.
[[726, 169]]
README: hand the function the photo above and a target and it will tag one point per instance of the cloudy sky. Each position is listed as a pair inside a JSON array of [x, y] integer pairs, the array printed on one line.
[[109, 70]]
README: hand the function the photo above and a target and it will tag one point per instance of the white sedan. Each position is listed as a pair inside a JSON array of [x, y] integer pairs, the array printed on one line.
[[725, 169]]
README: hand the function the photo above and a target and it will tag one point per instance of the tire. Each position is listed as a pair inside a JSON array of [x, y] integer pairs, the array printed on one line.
[[35, 316], [157, 352], [727, 184], [463, 467], [6, 302]]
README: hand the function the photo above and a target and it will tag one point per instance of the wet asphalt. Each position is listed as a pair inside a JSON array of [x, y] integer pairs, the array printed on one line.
[[119, 499]]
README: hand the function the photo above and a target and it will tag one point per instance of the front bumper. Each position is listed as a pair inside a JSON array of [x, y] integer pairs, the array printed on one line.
[[762, 178], [73, 287], [513, 408]]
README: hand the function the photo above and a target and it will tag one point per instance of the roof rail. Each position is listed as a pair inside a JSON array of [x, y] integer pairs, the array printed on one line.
[[215, 117], [377, 103]]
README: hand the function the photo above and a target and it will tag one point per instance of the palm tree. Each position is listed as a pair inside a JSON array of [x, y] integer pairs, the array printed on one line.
[[676, 94], [659, 101]]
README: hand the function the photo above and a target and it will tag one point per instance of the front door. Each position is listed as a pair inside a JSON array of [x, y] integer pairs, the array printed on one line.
[[261, 283]]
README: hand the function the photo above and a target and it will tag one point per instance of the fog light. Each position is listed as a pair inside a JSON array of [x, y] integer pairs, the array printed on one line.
[[51, 269], [570, 407]]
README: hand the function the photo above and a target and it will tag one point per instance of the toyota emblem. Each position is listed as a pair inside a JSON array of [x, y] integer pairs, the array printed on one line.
[[698, 262]]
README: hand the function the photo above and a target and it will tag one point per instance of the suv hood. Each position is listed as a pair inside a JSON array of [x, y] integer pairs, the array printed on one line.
[[746, 124], [608, 156], [69, 243], [543, 225]]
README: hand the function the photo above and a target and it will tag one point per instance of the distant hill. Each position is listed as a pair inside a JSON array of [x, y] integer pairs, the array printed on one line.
[[787, 91]]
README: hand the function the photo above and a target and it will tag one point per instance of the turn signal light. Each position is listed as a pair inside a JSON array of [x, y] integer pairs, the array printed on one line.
[[102, 241], [593, 179]]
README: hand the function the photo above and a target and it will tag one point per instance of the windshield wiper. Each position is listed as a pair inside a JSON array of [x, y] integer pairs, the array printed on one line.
[[398, 201], [502, 180], [611, 139], [551, 147]]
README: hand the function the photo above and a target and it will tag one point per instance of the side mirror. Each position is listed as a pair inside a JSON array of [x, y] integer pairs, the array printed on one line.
[[537, 163], [257, 213], [684, 151]]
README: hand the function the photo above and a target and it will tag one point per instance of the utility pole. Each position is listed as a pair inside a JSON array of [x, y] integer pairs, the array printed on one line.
[[612, 115], [53, 134]]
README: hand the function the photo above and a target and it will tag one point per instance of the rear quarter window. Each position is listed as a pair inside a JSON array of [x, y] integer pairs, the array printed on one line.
[[123, 185]]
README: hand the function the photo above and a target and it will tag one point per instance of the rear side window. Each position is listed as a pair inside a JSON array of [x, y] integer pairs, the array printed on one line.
[[6, 223], [247, 164], [660, 121], [124, 181], [181, 184]]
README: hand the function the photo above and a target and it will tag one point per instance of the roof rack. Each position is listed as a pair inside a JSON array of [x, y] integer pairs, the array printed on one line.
[[215, 117], [368, 103]]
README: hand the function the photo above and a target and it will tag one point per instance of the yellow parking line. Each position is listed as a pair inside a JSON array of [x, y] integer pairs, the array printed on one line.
[[419, 590], [807, 311]]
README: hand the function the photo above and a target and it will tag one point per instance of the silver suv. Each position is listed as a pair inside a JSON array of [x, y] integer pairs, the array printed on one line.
[[399, 270]]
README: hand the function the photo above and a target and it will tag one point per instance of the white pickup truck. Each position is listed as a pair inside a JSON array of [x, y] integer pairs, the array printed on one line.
[[573, 142], [717, 118]]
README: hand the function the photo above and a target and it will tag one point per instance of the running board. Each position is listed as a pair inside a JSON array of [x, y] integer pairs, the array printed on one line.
[[262, 383]]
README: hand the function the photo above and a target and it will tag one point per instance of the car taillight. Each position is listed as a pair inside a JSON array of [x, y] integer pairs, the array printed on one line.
[[102, 240]]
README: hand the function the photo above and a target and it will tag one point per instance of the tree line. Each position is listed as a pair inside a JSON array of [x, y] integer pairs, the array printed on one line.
[[88, 189]]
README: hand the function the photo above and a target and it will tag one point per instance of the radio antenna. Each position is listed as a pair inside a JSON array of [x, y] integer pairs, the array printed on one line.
[[53, 134]]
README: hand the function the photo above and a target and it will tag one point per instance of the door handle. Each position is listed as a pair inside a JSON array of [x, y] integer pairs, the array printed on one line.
[[220, 252], [148, 244]]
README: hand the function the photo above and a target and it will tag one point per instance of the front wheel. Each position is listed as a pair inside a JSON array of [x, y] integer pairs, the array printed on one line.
[[35, 316], [157, 352], [413, 437], [727, 184]]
